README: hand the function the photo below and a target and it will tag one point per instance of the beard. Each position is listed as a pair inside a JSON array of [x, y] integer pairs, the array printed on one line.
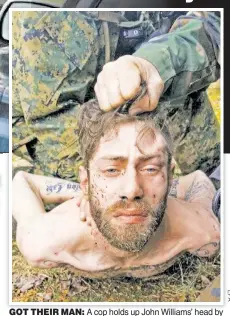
[[128, 237]]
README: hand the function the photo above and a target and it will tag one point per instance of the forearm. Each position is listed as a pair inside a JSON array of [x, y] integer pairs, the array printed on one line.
[[56, 190], [48, 189], [186, 57]]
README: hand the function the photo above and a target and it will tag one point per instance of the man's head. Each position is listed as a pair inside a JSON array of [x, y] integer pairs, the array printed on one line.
[[127, 167]]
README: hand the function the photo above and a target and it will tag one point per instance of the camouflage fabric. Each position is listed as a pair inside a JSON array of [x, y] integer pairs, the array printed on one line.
[[187, 59], [56, 58], [196, 134], [55, 62]]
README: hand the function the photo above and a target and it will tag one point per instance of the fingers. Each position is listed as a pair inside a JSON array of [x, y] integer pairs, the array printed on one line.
[[79, 198], [80, 202], [129, 78], [121, 80], [155, 87], [87, 212], [108, 90], [118, 82], [84, 207], [101, 94]]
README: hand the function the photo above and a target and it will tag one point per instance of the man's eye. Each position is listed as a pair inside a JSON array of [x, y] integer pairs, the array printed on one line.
[[112, 171], [150, 170]]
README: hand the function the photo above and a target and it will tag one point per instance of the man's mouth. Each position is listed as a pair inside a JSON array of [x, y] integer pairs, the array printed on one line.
[[131, 216]]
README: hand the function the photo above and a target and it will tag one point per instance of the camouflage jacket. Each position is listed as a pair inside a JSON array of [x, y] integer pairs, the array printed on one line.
[[188, 56], [56, 58], [188, 60]]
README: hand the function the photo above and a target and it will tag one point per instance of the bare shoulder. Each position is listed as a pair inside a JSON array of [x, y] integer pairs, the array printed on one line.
[[54, 236], [191, 210], [195, 187], [200, 188]]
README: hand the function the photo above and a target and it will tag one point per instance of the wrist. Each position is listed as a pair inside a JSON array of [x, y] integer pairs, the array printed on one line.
[[160, 58]]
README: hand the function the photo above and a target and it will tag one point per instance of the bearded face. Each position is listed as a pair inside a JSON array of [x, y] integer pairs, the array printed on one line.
[[128, 186], [127, 225]]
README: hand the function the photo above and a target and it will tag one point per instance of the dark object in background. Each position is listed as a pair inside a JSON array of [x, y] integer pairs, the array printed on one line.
[[143, 4], [2, 43], [4, 100], [216, 203]]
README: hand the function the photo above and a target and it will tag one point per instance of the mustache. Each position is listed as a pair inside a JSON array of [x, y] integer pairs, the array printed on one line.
[[139, 205]]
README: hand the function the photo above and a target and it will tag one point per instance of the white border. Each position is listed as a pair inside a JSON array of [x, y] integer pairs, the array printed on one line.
[[165, 304]]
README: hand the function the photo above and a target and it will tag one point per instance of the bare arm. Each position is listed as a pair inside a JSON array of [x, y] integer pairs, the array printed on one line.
[[198, 190], [30, 189], [45, 239]]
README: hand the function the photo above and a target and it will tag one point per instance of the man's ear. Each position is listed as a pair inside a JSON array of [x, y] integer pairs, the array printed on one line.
[[83, 179]]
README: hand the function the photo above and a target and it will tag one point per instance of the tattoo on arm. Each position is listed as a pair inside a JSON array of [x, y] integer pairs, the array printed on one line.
[[62, 186], [199, 189], [204, 252]]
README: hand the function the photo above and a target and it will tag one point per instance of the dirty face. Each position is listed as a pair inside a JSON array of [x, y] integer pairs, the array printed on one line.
[[128, 185]]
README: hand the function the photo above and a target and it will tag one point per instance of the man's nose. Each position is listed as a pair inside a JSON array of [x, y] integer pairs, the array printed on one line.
[[131, 188]]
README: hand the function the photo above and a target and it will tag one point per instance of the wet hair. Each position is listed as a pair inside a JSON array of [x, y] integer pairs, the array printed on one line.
[[93, 124]]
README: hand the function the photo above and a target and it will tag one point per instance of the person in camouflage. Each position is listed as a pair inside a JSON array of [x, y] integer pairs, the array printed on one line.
[[177, 67], [56, 59]]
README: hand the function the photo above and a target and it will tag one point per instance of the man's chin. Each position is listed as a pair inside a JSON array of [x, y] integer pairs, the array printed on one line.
[[130, 226], [130, 234]]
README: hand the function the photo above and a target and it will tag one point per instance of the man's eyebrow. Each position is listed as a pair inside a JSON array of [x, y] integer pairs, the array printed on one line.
[[114, 158], [122, 158], [149, 157]]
